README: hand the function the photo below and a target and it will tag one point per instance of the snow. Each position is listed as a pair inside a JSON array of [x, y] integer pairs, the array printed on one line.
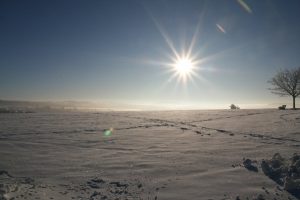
[[148, 155]]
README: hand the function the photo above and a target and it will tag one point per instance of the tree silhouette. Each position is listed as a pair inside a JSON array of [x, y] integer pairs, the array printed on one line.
[[287, 83]]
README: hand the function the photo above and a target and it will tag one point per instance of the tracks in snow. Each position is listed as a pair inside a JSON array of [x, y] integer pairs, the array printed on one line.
[[189, 126]]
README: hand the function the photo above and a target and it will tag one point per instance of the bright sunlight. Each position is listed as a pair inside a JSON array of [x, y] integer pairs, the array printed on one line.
[[184, 66]]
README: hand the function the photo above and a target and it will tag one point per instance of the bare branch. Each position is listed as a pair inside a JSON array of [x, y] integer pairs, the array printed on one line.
[[286, 83]]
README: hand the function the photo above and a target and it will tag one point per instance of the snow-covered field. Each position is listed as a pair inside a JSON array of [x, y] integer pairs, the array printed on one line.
[[177, 155]]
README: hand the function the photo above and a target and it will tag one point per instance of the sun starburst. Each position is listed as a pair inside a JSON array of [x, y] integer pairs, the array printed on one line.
[[183, 68]]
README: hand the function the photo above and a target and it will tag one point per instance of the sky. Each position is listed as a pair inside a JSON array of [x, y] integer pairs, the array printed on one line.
[[125, 51]]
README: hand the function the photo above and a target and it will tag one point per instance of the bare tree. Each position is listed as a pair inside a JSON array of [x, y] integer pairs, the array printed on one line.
[[287, 83]]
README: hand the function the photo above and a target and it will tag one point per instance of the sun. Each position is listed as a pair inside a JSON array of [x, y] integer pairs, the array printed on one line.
[[187, 63], [184, 66]]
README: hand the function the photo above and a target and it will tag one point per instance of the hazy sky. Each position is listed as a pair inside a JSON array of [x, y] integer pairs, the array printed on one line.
[[118, 50]]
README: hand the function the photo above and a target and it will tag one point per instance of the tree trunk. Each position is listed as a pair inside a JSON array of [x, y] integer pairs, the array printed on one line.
[[294, 105]]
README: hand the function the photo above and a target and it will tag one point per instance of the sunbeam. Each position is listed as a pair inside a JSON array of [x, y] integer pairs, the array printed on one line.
[[183, 66]]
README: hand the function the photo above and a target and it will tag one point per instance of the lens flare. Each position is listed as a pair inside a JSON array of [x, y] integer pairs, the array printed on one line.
[[245, 6], [108, 132], [221, 28]]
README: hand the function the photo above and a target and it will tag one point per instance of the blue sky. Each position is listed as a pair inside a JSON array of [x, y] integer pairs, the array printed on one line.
[[115, 51]]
